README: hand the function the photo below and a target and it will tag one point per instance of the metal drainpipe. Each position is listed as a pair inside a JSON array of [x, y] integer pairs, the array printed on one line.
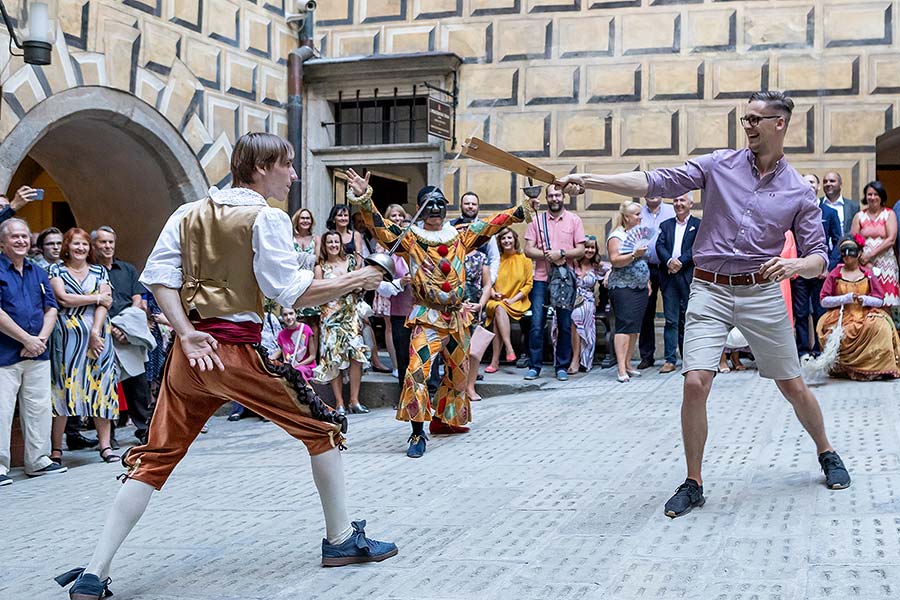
[[295, 105]]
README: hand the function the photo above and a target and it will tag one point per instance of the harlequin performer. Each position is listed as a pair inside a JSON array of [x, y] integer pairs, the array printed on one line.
[[213, 263], [439, 319]]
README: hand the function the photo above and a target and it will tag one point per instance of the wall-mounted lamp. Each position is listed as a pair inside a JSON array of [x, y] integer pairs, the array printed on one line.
[[35, 29]]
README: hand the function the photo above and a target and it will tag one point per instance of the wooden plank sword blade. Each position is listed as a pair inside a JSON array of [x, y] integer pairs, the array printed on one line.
[[483, 152]]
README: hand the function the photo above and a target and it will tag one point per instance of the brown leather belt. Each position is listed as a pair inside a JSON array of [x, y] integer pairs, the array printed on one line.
[[723, 279]]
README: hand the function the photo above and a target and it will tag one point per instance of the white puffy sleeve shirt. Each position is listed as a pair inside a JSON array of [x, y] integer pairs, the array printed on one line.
[[274, 257]]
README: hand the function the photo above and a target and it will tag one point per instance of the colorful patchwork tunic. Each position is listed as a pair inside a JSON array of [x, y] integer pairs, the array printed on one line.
[[438, 320]]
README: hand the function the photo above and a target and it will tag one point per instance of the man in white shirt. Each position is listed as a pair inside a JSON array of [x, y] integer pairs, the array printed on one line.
[[198, 274], [654, 212], [846, 208]]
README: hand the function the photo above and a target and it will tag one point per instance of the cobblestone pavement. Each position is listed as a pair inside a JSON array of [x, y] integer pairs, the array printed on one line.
[[553, 495]]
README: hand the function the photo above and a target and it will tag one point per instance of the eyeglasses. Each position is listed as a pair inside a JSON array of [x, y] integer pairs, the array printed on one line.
[[753, 120]]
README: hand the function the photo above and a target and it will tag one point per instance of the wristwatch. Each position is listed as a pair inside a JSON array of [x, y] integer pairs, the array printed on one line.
[[562, 253]]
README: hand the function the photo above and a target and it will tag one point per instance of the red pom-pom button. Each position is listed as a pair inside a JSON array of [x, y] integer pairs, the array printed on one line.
[[446, 286], [443, 250], [444, 267]]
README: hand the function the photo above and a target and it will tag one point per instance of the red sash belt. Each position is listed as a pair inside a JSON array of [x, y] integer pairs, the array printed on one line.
[[229, 332]]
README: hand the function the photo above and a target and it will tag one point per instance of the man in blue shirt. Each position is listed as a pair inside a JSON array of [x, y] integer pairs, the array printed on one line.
[[27, 317]]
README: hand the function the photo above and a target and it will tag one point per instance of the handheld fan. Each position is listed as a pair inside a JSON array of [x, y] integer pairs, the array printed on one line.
[[637, 237]]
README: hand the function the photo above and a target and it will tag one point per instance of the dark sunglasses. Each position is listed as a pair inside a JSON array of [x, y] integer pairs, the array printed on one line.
[[849, 251]]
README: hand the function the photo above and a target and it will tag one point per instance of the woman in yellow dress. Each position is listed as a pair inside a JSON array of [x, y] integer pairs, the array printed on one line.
[[870, 347], [509, 299]]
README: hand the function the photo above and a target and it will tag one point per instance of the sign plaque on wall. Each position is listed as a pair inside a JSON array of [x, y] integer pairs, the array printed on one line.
[[440, 119]]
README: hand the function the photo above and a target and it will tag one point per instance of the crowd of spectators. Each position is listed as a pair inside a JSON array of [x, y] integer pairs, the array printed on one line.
[[82, 343]]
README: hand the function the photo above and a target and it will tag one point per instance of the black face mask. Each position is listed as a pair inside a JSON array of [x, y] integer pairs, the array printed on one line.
[[850, 252], [435, 205]]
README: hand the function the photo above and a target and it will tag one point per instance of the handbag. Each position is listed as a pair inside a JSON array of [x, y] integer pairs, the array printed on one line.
[[560, 280], [481, 339]]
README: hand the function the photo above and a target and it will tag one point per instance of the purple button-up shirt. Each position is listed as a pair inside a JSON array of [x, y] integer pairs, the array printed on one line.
[[745, 216]]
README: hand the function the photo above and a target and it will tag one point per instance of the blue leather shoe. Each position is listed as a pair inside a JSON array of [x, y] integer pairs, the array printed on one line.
[[532, 374], [416, 445], [561, 375], [87, 586], [357, 549]]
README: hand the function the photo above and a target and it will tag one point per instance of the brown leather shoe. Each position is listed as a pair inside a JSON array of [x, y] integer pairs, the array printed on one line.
[[667, 368]]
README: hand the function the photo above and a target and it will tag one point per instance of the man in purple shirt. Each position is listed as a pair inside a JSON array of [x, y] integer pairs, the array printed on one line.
[[751, 197]]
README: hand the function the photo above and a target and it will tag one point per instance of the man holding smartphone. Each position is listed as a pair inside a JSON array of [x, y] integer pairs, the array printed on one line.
[[23, 196]]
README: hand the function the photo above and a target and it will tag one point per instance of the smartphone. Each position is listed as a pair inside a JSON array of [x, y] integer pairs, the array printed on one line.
[[38, 194]]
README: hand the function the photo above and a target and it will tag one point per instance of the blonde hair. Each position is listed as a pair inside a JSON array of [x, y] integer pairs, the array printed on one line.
[[391, 208], [626, 208], [295, 220]]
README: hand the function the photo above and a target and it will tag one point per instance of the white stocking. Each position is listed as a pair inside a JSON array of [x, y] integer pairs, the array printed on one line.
[[127, 508], [328, 474]]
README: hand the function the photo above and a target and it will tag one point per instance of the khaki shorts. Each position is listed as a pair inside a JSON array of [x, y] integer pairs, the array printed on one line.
[[758, 311]]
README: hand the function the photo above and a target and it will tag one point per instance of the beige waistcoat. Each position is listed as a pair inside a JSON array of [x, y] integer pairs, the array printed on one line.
[[217, 261]]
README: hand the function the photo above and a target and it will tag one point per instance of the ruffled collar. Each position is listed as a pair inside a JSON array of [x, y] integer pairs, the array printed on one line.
[[447, 234], [236, 196]]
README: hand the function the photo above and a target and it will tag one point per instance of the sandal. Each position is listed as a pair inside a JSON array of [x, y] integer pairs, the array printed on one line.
[[490, 369], [108, 458], [56, 459], [511, 357]]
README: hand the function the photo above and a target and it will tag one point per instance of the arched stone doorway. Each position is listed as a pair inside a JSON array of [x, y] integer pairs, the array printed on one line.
[[116, 160], [887, 163]]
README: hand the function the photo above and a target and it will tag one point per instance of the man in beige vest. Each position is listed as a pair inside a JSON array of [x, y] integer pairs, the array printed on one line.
[[214, 262]]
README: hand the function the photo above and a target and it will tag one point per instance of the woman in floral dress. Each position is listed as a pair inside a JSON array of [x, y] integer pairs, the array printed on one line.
[[878, 225], [84, 368], [341, 344]]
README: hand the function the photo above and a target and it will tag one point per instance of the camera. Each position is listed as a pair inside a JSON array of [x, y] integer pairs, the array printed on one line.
[[296, 19]]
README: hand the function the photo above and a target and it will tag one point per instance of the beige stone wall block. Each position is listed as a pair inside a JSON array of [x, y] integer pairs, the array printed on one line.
[[187, 13], [280, 124], [160, 46], [334, 11], [148, 86], [488, 86], [196, 134], [73, 16], [779, 27], [92, 66], [354, 42], [119, 44], [710, 129], [493, 185], [738, 78], [583, 133], [468, 40], [285, 41], [853, 128], [240, 76], [469, 125], [604, 200], [884, 74], [181, 89], [478, 7], [524, 132], [542, 83], [804, 74], [431, 8], [256, 36], [857, 24], [801, 134], [520, 39], [711, 29], [223, 20], [204, 60], [381, 10], [402, 40], [222, 117], [217, 161], [255, 119], [613, 81], [272, 85], [681, 79], [650, 32], [649, 131], [585, 36]]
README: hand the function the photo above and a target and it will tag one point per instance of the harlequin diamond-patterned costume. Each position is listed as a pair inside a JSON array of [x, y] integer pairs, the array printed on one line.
[[438, 320]]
